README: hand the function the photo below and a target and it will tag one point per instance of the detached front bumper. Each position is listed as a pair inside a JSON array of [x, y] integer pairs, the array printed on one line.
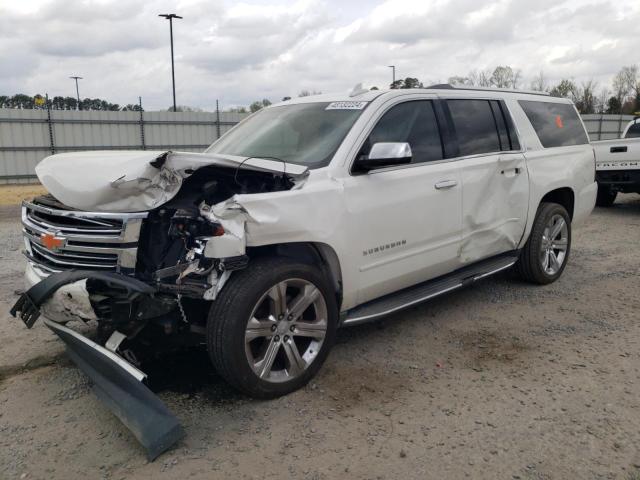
[[117, 383]]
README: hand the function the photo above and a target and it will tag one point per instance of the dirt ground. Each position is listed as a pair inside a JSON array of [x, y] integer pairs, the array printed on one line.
[[13, 194], [499, 380]]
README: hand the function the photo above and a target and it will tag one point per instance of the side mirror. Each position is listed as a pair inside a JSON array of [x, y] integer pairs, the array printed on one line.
[[384, 154]]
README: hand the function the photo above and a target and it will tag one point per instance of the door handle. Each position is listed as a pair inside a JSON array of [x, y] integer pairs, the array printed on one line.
[[618, 149], [446, 184]]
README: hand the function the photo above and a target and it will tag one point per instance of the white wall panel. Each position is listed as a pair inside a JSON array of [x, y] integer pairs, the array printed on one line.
[[25, 138]]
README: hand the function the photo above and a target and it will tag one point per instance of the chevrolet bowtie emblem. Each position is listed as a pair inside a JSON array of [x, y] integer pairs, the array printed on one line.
[[51, 242]]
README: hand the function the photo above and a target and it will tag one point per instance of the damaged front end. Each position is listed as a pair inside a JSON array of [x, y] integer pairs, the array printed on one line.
[[142, 255]]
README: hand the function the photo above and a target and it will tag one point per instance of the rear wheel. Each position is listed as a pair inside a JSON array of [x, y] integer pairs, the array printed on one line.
[[272, 326], [606, 196], [546, 252]]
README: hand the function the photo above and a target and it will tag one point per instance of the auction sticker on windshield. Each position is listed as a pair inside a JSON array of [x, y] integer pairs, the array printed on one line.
[[346, 106]]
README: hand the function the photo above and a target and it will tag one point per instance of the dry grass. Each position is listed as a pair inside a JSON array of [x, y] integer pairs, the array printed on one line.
[[14, 194]]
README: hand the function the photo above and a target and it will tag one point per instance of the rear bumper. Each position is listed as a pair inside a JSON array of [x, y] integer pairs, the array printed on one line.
[[622, 180]]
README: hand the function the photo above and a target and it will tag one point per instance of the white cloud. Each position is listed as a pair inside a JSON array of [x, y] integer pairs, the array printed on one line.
[[242, 51]]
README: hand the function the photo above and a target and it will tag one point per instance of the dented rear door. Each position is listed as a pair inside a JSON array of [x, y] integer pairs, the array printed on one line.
[[495, 201], [495, 181]]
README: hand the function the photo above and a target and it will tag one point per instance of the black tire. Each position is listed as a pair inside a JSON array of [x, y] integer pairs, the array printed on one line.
[[530, 266], [230, 314], [606, 196]]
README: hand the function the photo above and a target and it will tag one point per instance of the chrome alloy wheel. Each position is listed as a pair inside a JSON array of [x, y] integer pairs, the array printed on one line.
[[553, 248], [286, 330]]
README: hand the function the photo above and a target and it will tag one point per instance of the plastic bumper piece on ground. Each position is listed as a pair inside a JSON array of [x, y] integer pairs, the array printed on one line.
[[119, 386], [117, 383]]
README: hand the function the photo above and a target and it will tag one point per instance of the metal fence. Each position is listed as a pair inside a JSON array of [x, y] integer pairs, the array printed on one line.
[[605, 127], [27, 136]]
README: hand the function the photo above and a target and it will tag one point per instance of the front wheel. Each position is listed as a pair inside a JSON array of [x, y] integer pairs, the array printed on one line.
[[546, 252], [272, 326]]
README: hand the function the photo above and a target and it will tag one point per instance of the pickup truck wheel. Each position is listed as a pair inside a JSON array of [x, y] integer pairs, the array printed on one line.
[[546, 252], [606, 196], [272, 326]]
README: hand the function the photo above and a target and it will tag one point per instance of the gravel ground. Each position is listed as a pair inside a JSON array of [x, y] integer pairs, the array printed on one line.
[[499, 380]]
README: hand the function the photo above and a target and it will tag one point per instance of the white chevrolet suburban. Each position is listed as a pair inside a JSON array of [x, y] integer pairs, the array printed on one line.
[[310, 215], [618, 164]]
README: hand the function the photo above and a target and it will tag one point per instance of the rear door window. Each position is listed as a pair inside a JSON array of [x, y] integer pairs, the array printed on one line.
[[475, 126], [556, 124]]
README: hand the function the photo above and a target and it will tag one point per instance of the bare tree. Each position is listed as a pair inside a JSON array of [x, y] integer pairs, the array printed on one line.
[[626, 83], [566, 88], [505, 77], [501, 77], [602, 101], [479, 78], [515, 79], [539, 83], [585, 98]]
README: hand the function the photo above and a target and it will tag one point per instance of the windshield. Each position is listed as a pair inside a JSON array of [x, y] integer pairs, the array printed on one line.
[[306, 133]]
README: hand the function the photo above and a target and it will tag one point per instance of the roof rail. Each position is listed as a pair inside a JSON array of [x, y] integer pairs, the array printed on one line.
[[448, 86]]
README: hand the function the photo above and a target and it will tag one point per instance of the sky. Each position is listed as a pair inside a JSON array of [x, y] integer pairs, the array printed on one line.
[[238, 52]]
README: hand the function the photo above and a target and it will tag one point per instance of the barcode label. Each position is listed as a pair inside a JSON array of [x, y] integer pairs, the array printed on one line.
[[346, 106]]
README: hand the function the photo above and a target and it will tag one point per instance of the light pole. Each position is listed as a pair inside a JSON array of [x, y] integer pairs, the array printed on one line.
[[393, 69], [170, 17], [77, 91]]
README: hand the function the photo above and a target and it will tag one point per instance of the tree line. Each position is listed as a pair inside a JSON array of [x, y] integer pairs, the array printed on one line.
[[623, 96], [265, 102], [38, 102]]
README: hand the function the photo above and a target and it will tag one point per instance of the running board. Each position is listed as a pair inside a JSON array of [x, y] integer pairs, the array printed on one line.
[[424, 291]]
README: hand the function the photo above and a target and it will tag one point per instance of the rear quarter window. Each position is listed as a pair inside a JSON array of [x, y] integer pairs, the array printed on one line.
[[556, 124]]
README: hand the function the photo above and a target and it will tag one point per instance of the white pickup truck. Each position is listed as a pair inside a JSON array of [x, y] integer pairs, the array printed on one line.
[[618, 164], [310, 215]]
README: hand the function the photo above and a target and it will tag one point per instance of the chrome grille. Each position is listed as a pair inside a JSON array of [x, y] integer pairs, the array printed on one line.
[[83, 240]]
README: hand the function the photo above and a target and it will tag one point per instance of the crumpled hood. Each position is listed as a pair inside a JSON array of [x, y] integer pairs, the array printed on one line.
[[134, 181]]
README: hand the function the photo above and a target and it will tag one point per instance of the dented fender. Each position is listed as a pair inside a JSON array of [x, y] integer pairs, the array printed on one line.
[[313, 214]]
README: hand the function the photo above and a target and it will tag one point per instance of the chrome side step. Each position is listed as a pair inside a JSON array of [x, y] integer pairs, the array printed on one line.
[[424, 291]]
